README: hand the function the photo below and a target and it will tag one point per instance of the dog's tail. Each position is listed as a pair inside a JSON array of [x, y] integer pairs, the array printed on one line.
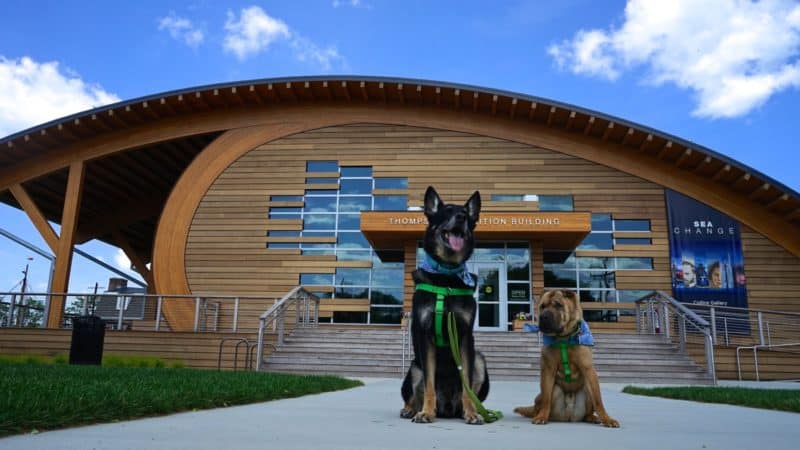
[[527, 411]]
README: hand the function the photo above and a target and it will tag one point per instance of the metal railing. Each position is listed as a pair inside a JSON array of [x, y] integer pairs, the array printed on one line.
[[407, 350], [659, 313], [755, 356], [210, 313], [305, 317]]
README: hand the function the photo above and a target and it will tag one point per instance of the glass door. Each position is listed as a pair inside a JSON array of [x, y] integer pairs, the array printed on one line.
[[491, 296]]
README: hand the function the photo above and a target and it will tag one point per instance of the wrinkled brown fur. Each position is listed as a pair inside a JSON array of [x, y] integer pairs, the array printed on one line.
[[559, 315]]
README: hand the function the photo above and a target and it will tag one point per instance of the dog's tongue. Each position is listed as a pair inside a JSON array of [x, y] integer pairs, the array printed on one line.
[[455, 242]]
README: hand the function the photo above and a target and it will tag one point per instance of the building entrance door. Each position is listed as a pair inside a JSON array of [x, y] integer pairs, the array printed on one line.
[[490, 296]]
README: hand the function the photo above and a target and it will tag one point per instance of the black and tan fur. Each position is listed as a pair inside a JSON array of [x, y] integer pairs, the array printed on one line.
[[432, 386], [560, 313]]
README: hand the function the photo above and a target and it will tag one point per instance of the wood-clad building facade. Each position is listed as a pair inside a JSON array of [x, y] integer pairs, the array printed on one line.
[[253, 188]]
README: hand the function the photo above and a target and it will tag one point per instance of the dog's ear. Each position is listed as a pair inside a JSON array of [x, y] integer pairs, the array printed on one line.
[[473, 207], [432, 202]]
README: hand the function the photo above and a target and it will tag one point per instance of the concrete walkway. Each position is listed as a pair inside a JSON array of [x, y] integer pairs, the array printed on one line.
[[368, 418]]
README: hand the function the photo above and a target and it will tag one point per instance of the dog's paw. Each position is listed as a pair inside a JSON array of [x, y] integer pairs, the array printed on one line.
[[540, 419], [473, 419], [609, 422], [526, 411], [407, 413], [591, 418], [422, 417]]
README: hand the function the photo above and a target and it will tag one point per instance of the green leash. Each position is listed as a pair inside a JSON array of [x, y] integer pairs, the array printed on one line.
[[563, 346], [488, 415]]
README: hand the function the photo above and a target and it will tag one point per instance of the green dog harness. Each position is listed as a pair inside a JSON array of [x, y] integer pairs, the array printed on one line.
[[441, 293]]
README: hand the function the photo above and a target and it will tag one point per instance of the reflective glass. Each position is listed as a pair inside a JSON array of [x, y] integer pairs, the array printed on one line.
[[555, 203], [350, 240], [632, 225], [387, 277], [319, 222], [391, 202], [385, 315], [597, 296], [286, 198], [383, 296], [391, 183], [321, 279], [320, 204], [355, 204], [353, 255], [283, 245], [560, 278], [519, 292], [558, 260], [355, 187], [322, 166], [322, 180], [506, 197], [589, 262], [283, 233], [349, 317], [352, 277], [597, 279], [624, 263], [597, 241], [349, 221], [351, 292], [363, 171], [632, 241], [601, 222]]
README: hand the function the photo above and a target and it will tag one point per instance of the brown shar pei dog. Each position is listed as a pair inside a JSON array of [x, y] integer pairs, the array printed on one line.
[[566, 395]]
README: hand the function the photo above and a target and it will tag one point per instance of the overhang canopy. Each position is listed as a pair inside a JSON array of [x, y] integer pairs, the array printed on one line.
[[559, 230]]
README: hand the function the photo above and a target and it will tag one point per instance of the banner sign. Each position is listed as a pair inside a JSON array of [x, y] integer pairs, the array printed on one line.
[[706, 258]]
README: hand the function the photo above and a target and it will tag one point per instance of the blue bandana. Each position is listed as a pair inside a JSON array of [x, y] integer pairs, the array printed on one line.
[[582, 337], [430, 265]]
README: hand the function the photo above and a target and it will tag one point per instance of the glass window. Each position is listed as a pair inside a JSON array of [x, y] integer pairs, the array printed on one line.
[[488, 252], [350, 240], [363, 187], [558, 260], [388, 276], [588, 262], [351, 292], [391, 202], [319, 222], [597, 296], [391, 183], [352, 277], [597, 241], [631, 225], [279, 210], [634, 263], [383, 296], [597, 279], [323, 294], [506, 197], [519, 292], [283, 233], [353, 255], [349, 221], [633, 241], [322, 180], [601, 222], [560, 278], [355, 204], [319, 192], [320, 204], [630, 296], [316, 245], [385, 315], [286, 198], [316, 252], [322, 166], [318, 234], [514, 309], [349, 317], [275, 245], [363, 171], [318, 279], [555, 203]]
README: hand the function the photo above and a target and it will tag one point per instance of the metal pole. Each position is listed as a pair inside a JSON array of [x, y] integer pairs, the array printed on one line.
[[755, 359], [760, 329], [260, 351], [683, 333], [121, 305], [713, 317], [316, 312], [10, 316], [712, 370], [280, 327], [769, 335], [196, 313], [667, 331], [158, 313], [725, 322], [638, 310], [236, 314]]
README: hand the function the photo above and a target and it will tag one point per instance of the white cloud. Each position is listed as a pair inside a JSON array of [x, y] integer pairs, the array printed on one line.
[[181, 29], [353, 3], [32, 93], [254, 31], [732, 54], [121, 260]]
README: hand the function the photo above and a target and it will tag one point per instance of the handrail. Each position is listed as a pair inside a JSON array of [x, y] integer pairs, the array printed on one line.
[[755, 355], [276, 316], [659, 322], [405, 341]]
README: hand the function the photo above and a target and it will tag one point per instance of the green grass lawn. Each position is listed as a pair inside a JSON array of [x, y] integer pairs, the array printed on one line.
[[42, 397], [778, 399]]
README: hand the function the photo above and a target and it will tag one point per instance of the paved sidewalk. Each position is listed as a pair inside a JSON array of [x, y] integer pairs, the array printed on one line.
[[368, 418]]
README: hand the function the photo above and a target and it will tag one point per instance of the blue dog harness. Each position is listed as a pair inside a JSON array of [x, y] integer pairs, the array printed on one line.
[[581, 336]]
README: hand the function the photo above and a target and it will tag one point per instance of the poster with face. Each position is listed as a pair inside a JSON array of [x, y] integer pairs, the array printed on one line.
[[706, 258]]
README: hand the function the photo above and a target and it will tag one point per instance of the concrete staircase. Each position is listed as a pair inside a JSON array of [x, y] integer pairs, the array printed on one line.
[[370, 352]]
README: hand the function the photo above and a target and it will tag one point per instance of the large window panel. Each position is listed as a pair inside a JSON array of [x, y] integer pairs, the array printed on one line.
[[355, 186], [355, 204]]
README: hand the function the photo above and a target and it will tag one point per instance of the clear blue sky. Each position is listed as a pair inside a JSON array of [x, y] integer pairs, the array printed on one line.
[[723, 74]]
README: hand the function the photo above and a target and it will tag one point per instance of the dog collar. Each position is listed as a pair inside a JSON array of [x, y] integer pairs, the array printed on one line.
[[441, 293], [430, 265]]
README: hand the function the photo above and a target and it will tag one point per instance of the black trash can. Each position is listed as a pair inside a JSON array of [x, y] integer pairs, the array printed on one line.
[[88, 333]]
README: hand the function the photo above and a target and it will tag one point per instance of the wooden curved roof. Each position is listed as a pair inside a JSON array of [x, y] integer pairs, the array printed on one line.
[[136, 150]]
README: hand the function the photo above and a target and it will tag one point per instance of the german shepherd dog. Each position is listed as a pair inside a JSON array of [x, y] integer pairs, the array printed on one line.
[[432, 386]]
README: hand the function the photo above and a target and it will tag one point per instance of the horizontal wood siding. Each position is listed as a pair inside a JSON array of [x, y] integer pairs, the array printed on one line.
[[226, 248]]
